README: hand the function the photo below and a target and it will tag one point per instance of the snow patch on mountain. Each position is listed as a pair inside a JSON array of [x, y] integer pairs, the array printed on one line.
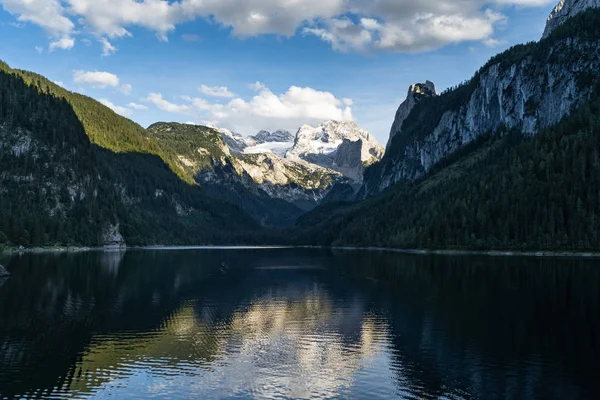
[[278, 148]]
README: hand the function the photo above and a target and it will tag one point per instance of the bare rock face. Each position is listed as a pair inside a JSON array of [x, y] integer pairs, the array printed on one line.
[[348, 160], [270, 137], [565, 10], [416, 93], [236, 142]]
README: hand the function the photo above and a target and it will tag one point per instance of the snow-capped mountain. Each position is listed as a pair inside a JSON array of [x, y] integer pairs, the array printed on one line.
[[335, 145], [277, 136], [236, 142], [278, 143]]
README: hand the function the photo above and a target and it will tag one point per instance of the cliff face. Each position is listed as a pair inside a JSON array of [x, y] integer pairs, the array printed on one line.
[[416, 93], [525, 89], [567, 9]]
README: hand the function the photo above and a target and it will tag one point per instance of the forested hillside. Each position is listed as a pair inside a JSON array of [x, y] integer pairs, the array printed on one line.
[[507, 188], [201, 154], [56, 187], [502, 192]]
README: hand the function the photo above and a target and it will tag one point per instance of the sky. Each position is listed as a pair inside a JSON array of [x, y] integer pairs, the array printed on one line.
[[249, 65]]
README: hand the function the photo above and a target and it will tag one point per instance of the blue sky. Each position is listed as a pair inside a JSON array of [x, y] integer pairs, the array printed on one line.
[[261, 64]]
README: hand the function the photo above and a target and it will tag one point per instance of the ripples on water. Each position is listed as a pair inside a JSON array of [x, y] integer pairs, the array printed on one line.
[[285, 323]]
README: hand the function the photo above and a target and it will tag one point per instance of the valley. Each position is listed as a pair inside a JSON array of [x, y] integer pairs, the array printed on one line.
[[506, 160]]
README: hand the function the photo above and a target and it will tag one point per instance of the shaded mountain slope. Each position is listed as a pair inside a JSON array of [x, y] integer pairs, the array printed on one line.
[[57, 187]]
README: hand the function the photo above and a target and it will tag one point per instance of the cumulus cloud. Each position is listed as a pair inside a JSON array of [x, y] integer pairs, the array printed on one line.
[[98, 79], [266, 110], [165, 105], [135, 106], [216, 91], [64, 43], [348, 25], [48, 14], [126, 112]]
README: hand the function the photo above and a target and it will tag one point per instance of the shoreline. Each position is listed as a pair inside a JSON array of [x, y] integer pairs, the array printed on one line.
[[489, 253], [447, 252]]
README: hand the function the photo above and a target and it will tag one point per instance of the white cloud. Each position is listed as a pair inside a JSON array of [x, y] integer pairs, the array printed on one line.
[[348, 25], [64, 43], [59, 83], [97, 79], [48, 14], [107, 48], [135, 106], [126, 112], [422, 31], [158, 101], [125, 89], [39, 49], [266, 110], [216, 91]]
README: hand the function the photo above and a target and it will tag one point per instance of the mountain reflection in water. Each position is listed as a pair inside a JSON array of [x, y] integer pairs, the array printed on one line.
[[298, 323]]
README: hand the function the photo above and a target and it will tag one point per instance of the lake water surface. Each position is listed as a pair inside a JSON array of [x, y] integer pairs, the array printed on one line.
[[298, 323]]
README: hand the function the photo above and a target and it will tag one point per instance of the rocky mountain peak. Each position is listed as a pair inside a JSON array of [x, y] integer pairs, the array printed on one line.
[[566, 9], [333, 144], [422, 89], [269, 137], [235, 141], [416, 93]]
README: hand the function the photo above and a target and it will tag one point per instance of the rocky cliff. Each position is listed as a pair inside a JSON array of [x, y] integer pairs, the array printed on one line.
[[567, 9], [416, 93], [525, 89]]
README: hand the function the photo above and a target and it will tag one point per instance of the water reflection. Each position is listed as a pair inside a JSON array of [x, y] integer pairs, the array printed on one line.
[[298, 324]]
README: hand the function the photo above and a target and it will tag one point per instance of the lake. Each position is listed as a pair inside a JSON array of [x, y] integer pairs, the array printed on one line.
[[298, 323]]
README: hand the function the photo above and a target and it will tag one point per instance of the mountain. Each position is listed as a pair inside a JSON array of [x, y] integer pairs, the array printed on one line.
[[272, 190], [277, 136], [75, 173], [527, 89], [416, 93], [235, 141], [340, 146], [508, 160], [565, 10], [302, 169]]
